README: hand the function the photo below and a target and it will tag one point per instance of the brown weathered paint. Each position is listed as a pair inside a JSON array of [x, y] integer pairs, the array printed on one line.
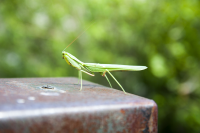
[[26, 107]]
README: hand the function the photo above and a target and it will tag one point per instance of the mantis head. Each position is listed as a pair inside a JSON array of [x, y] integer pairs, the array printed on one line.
[[63, 53]]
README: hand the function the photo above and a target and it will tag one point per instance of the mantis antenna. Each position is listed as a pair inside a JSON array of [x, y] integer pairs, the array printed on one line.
[[79, 35]]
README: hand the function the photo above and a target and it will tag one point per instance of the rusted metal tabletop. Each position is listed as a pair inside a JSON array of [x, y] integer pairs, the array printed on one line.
[[29, 105]]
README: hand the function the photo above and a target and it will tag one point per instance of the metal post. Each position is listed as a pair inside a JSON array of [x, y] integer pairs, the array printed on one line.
[[40, 105]]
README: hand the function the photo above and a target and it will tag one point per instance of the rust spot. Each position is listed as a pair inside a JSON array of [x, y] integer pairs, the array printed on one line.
[[122, 111]]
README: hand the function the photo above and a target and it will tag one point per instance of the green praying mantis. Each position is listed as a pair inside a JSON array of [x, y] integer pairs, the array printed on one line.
[[91, 68]]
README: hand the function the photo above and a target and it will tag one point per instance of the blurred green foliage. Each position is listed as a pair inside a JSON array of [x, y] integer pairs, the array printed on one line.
[[163, 35]]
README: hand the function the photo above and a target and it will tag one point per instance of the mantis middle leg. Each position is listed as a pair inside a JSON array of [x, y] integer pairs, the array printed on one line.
[[80, 76]]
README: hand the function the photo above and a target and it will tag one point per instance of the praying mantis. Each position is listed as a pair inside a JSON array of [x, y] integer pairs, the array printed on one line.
[[91, 68]]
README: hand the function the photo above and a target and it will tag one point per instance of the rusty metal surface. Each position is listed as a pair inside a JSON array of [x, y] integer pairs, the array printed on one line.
[[29, 105]]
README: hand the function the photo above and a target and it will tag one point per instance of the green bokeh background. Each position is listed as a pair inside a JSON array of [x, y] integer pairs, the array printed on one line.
[[163, 35]]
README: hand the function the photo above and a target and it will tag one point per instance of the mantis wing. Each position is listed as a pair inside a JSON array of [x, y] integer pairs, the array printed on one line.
[[103, 68], [94, 67]]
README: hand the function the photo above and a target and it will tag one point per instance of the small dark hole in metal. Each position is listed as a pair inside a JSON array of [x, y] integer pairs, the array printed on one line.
[[47, 87]]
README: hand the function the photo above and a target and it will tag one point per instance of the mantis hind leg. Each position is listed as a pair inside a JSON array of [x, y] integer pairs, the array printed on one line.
[[116, 81], [108, 80]]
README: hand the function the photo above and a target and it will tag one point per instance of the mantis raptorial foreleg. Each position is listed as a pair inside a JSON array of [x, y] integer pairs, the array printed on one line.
[[116, 81]]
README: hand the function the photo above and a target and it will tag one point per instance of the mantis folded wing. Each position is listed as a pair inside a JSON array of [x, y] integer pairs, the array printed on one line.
[[90, 68]]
